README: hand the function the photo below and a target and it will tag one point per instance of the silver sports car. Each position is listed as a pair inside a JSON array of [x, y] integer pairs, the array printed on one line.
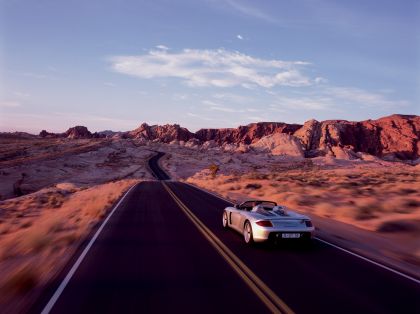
[[265, 220]]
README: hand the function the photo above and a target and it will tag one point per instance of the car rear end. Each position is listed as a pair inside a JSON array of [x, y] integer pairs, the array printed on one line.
[[276, 229]]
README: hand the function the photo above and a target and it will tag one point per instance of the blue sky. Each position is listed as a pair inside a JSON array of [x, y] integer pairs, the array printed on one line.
[[111, 64]]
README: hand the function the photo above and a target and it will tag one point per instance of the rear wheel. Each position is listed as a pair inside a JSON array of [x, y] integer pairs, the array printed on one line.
[[248, 238], [225, 220]]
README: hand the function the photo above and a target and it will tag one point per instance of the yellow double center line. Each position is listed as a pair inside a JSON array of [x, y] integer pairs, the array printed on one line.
[[263, 292]]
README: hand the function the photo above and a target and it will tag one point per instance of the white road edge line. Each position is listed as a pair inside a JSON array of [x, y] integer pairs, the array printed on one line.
[[329, 243], [70, 274], [370, 261]]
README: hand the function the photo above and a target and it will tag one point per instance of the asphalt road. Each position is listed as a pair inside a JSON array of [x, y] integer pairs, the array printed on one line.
[[151, 258], [156, 169]]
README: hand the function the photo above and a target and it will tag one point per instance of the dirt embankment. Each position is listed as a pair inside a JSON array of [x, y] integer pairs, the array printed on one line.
[[39, 232]]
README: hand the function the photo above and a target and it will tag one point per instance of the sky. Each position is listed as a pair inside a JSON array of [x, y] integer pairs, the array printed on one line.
[[113, 64]]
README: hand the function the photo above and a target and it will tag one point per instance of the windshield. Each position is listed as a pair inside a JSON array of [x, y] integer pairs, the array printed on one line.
[[268, 205]]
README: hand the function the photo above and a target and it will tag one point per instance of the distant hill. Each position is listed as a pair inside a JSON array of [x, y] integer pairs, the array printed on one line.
[[395, 136]]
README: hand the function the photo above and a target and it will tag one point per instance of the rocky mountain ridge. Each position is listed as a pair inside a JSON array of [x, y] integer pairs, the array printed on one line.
[[392, 137], [76, 132]]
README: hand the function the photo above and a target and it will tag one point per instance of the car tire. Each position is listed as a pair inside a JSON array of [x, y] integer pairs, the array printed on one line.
[[225, 220], [248, 237]]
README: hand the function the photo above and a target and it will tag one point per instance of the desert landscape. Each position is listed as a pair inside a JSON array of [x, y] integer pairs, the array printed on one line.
[[359, 181], [213, 156]]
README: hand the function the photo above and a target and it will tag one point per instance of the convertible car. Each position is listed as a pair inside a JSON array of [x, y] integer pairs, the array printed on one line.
[[260, 221]]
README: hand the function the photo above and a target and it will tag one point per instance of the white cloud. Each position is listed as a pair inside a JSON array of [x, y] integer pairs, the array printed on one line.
[[212, 106], [362, 97], [320, 80], [298, 103], [162, 47], [239, 37], [333, 98], [201, 117], [250, 11], [256, 118], [217, 68], [233, 97], [218, 107]]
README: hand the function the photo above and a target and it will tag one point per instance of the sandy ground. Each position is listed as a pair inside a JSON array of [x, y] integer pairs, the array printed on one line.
[[44, 162]]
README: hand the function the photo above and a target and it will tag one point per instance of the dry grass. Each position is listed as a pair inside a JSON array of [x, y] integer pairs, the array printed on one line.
[[365, 196]]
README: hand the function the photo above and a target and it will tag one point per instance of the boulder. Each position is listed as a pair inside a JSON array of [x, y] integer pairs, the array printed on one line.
[[279, 144]]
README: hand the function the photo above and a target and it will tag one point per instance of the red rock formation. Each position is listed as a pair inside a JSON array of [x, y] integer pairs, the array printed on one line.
[[393, 136], [245, 134], [16, 135], [396, 136], [78, 132], [44, 133], [164, 133]]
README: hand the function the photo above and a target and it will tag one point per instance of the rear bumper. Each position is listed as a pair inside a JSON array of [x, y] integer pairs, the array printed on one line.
[[279, 236], [261, 234]]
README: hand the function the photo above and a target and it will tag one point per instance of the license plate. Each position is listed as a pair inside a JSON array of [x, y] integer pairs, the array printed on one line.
[[290, 235]]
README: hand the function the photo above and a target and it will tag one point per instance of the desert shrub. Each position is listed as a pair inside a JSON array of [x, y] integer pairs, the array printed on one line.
[[412, 204], [37, 241], [365, 213], [257, 176], [406, 191], [235, 188], [325, 209], [305, 200], [253, 186], [54, 202], [308, 163], [26, 224], [69, 239], [214, 169], [55, 225], [22, 281], [353, 176], [231, 180], [350, 184], [397, 226], [316, 183]]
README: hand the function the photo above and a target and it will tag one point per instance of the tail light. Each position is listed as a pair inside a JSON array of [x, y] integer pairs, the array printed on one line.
[[308, 223], [264, 223]]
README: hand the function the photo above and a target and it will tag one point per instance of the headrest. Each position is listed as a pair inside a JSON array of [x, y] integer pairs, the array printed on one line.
[[258, 208], [280, 210]]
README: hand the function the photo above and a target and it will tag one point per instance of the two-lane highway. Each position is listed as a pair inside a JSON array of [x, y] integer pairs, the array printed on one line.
[[318, 279], [164, 250], [150, 259]]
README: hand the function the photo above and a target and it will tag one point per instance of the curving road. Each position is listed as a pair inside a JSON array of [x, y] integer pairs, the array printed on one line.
[[154, 166], [163, 250]]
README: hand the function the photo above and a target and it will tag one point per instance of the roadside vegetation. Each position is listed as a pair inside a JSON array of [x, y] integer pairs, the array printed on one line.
[[40, 231]]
